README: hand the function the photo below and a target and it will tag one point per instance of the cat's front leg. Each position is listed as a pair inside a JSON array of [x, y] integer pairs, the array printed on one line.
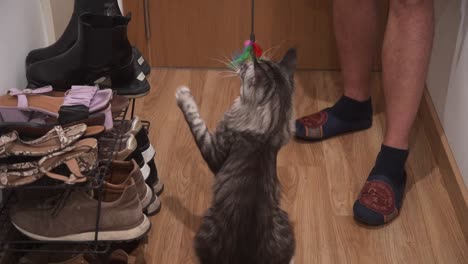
[[206, 142]]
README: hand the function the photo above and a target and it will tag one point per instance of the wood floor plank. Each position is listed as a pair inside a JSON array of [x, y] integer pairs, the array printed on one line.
[[320, 180]]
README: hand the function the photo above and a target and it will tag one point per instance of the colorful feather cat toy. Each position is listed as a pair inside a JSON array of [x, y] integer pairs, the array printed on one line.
[[251, 48]]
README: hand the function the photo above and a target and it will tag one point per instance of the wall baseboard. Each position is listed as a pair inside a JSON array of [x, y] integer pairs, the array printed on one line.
[[448, 167]]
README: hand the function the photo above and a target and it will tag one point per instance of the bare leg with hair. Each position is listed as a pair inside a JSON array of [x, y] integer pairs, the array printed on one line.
[[356, 30], [356, 25], [405, 58]]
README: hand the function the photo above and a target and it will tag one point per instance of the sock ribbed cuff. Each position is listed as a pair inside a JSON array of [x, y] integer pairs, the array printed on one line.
[[349, 109], [390, 161]]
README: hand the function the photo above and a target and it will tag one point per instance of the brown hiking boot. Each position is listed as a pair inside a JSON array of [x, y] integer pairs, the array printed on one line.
[[74, 219]]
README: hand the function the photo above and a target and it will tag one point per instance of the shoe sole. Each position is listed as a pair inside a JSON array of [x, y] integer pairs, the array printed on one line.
[[154, 207], [148, 154], [146, 201], [129, 96], [145, 170], [312, 140], [158, 188], [123, 235]]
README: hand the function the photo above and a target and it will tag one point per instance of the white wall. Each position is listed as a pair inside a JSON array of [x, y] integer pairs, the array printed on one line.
[[121, 5], [21, 29], [448, 76], [27, 25], [61, 11]]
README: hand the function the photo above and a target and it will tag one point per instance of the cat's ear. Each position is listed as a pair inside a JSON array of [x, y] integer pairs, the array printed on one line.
[[289, 61]]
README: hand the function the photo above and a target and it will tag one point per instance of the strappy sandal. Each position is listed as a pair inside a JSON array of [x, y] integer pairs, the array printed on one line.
[[118, 102], [79, 158], [18, 174], [77, 104], [56, 139]]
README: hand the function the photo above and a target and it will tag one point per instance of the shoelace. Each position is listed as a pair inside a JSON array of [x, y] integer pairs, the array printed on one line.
[[61, 201]]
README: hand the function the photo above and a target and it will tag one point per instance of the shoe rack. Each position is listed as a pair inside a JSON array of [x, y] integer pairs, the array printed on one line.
[[12, 241], [97, 31]]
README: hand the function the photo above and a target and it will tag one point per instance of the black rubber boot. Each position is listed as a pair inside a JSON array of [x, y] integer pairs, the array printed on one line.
[[69, 36], [101, 54]]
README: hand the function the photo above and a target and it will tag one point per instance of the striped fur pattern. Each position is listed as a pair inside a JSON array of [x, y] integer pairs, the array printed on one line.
[[245, 224]]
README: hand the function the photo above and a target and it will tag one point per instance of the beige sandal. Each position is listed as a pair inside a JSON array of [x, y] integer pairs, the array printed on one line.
[[55, 140], [12, 175], [79, 158]]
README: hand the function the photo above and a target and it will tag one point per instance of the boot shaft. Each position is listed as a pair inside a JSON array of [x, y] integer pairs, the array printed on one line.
[[104, 38], [103, 7]]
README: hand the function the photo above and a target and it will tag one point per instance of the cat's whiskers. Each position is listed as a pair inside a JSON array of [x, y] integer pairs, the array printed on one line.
[[271, 52], [227, 74], [226, 63]]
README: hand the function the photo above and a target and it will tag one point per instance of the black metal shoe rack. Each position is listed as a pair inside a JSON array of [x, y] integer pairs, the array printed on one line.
[[12, 240]]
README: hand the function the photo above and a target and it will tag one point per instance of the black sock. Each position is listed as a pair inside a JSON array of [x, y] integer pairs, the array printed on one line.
[[349, 109], [391, 163]]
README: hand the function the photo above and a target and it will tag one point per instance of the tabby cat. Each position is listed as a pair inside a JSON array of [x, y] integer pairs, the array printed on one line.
[[245, 224]]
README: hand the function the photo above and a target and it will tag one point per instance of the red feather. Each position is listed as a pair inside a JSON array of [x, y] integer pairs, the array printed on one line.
[[257, 49]]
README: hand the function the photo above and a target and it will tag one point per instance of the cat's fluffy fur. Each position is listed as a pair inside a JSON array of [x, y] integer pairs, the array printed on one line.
[[245, 224]]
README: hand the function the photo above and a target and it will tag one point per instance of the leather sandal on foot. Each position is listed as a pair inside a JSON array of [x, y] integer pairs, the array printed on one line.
[[56, 139], [79, 158]]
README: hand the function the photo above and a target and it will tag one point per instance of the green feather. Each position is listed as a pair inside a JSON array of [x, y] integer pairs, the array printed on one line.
[[244, 56]]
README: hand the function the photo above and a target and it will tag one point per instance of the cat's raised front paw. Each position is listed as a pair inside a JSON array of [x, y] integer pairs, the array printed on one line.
[[183, 94]]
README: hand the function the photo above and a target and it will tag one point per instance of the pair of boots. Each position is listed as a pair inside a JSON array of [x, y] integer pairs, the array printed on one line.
[[94, 49]]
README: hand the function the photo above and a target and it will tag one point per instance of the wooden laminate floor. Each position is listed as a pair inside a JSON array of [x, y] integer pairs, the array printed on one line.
[[320, 181]]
